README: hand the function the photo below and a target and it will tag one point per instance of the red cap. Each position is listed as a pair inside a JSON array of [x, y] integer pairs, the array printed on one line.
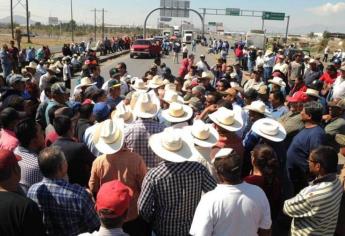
[[298, 97], [113, 196], [7, 159], [87, 102]]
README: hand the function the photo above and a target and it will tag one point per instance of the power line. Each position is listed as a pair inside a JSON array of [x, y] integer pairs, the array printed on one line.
[[95, 22]]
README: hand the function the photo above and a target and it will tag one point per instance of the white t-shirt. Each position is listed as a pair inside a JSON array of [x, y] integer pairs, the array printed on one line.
[[202, 66], [232, 210], [339, 88]]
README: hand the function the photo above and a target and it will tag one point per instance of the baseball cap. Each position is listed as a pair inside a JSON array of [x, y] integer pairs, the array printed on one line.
[[7, 159], [101, 110], [202, 56], [340, 104], [115, 197], [17, 78], [298, 97], [113, 72], [114, 83], [59, 88]]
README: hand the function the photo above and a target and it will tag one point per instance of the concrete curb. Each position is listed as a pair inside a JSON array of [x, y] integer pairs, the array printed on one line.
[[113, 56]]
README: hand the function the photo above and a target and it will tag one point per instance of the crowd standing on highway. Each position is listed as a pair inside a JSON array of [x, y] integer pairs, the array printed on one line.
[[250, 147]]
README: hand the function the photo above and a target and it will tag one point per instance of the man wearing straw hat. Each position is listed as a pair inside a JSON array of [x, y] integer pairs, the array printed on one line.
[[172, 190], [118, 163], [137, 134]]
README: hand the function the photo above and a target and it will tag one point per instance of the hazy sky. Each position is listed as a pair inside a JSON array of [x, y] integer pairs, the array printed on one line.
[[304, 13]]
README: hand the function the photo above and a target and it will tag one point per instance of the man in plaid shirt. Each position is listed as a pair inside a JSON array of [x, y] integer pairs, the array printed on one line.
[[172, 190], [67, 208]]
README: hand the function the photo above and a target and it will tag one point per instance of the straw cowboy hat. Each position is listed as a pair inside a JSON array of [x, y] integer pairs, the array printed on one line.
[[207, 75], [313, 92], [140, 86], [177, 113], [172, 96], [31, 65], [170, 87], [156, 82], [108, 136], [123, 112], [226, 119], [259, 107], [173, 145], [204, 135], [53, 69], [147, 106], [269, 129], [278, 81], [85, 82], [58, 64], [268, 52]]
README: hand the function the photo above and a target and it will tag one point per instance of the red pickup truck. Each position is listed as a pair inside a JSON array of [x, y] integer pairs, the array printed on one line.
[[146, 47]]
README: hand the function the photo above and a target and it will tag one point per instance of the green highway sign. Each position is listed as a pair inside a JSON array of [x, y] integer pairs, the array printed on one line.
[[232, 11], [267, 15], [212, 23]]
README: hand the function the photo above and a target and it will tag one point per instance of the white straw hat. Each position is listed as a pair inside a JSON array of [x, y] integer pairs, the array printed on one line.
[[172, 96], [139, 85], [227, 119], [156, 82], [204, 135], [31, 65], [85, 82], [170, 87], [269, 129], [53, 69], [258, 106], [108, 136], [173, 145], [147, 105], [177, 113], [278, 81], [123, 112]]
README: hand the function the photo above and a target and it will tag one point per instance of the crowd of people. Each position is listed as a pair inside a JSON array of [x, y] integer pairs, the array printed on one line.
[[210, 150]]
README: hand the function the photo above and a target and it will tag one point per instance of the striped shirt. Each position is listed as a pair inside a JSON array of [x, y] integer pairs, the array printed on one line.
[[315, 209]]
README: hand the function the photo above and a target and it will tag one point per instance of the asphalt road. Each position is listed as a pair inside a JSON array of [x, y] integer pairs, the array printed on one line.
[[136, 67]]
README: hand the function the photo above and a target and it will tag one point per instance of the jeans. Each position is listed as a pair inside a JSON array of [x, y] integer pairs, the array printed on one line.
[[250, 65], [267, 74]]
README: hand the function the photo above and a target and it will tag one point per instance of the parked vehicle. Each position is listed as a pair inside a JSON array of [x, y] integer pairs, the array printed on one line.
[[188, 36], [256, 38], [145, 47], [168, 32]]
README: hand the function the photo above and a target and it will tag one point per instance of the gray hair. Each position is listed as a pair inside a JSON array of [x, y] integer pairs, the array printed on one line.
[[51, 160]]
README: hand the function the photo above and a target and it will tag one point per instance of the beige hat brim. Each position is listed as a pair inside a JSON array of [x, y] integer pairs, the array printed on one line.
[[186, 153], [236, 126], [140, 89], [207, 143], [188, 113], [279, 137], [108, 148], [250, 108]]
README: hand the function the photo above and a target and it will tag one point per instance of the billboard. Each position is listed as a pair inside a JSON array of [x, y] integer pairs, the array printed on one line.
[[53, 20], [180, 8]]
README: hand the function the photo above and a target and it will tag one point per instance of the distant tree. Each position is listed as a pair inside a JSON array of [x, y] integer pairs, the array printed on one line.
[[38, 24], [326, 34], [311, 35]]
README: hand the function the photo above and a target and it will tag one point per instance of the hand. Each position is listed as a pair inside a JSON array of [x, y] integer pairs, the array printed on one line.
[[212, 108], [326, 117]]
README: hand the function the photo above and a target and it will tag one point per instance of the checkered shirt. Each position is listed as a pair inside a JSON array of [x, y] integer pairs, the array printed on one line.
[[30, 171], [170, 194], [67, 208], [137, 139]]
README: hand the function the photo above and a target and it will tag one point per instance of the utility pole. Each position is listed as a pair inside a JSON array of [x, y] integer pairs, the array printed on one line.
[[27, 20], [287, 29], [72, 25], [102, 23], [12, 26]]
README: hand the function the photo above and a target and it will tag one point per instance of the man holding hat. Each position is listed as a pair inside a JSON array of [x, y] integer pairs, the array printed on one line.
[[172, 190], [19, 215], [234, 207]]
